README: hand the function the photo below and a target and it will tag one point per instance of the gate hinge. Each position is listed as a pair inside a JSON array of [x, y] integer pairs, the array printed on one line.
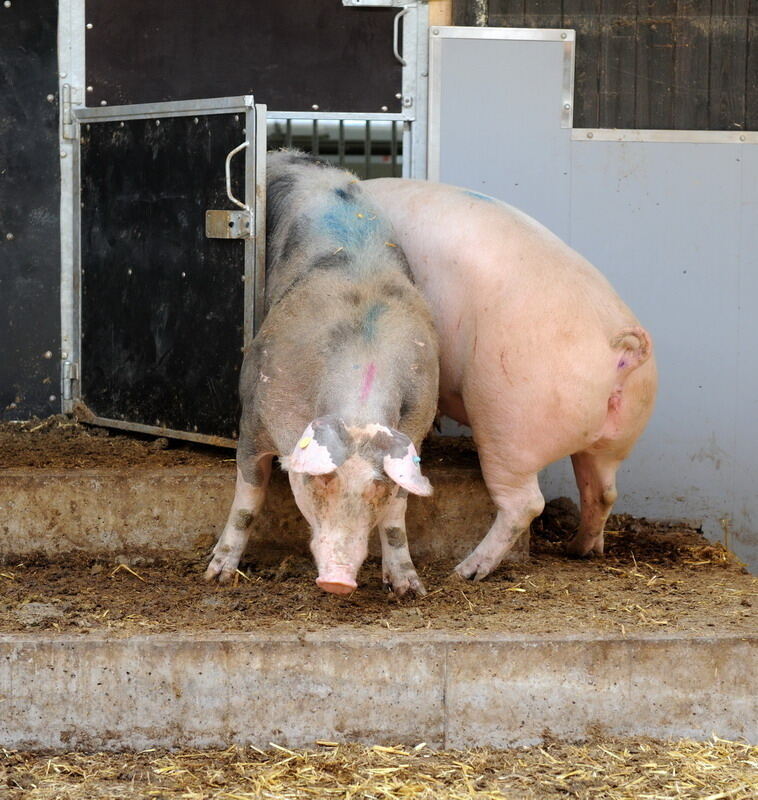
[[70, 96], [69, 377]]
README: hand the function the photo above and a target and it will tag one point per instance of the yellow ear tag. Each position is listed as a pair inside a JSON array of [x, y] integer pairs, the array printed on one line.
[[305, 441]]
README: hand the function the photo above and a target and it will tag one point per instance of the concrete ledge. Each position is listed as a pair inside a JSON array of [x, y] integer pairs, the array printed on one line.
[[182, 510], [449, 691]]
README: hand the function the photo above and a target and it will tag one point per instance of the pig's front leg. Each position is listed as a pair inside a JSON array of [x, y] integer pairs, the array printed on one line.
[[518, 503], [398, 572], [249, 494]]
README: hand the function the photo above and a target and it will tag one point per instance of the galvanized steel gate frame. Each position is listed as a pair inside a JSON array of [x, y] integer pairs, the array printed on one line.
[[72, 27], [254, 244]]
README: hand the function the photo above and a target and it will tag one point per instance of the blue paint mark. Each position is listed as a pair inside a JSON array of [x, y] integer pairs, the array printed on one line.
[[416, 459], [350, 225], [369, 321], [480, 196]]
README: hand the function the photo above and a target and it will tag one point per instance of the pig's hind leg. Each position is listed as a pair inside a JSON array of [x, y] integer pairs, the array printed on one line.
[[629, 409], [250, 492], [519, 500], [398, 572], [596, 478]]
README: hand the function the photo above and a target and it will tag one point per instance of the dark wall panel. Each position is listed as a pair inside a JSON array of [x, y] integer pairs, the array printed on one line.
[[291, 55], [666, 64], [29, 211]]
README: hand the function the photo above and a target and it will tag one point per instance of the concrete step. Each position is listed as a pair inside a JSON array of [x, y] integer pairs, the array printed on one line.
[[183, 510], [456, 685], [451, 691]]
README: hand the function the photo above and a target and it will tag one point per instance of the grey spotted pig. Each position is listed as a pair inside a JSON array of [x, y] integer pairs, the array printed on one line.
[[340, 382]]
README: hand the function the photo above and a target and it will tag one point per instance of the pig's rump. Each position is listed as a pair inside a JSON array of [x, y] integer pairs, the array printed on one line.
[[535, 343]]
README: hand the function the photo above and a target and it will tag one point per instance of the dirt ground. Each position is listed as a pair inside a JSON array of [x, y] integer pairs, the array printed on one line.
[[653, 578], [650, 581], [606, 769], [62, 443]]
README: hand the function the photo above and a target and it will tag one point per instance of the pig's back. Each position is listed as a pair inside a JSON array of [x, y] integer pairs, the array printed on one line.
[[344, 327], [318, 219], [479, 248]]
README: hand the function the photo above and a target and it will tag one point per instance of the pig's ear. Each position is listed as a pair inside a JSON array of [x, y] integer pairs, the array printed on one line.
[[401, 462], [321, 449]]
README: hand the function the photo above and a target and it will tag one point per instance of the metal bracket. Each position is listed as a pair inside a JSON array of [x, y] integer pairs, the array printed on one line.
[[228, 225], [69, 376], [70, 96]]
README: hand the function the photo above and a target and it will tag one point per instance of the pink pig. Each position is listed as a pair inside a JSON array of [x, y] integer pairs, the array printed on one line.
[[538, 354]]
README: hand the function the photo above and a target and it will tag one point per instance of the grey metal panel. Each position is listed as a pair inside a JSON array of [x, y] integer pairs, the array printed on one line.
[[661, 221], [743, 529], [667, 136], [672, 220], [495, 120]]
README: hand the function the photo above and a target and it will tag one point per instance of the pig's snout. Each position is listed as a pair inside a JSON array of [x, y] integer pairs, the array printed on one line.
[[339, 555], [337, 579]]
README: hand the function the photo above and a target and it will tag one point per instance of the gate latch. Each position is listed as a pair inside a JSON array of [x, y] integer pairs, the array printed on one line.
[[227, 224], [230, 224]]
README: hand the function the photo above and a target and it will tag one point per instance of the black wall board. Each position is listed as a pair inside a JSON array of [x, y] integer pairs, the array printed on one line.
[[162, 305], [291, 55], [29, 211]]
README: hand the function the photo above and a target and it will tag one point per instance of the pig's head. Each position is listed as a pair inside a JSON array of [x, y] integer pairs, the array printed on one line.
[[344, 479]]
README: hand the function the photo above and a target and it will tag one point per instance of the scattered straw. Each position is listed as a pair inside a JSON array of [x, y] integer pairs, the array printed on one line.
[[610, 769], [129, 570]]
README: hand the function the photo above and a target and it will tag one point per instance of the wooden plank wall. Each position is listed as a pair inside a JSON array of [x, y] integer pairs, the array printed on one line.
[[661, 64]]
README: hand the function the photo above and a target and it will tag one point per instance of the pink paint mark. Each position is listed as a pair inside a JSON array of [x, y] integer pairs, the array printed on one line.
[[368, 380]]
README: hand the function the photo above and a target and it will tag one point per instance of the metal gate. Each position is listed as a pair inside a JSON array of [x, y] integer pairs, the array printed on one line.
[[167, 297]]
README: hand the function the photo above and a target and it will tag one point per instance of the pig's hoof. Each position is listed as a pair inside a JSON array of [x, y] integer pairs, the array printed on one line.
[[402, 584], [221, 568], [474, 568], [583, 547]]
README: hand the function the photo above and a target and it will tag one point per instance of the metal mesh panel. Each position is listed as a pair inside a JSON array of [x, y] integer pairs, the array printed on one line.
[[369, 148]]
